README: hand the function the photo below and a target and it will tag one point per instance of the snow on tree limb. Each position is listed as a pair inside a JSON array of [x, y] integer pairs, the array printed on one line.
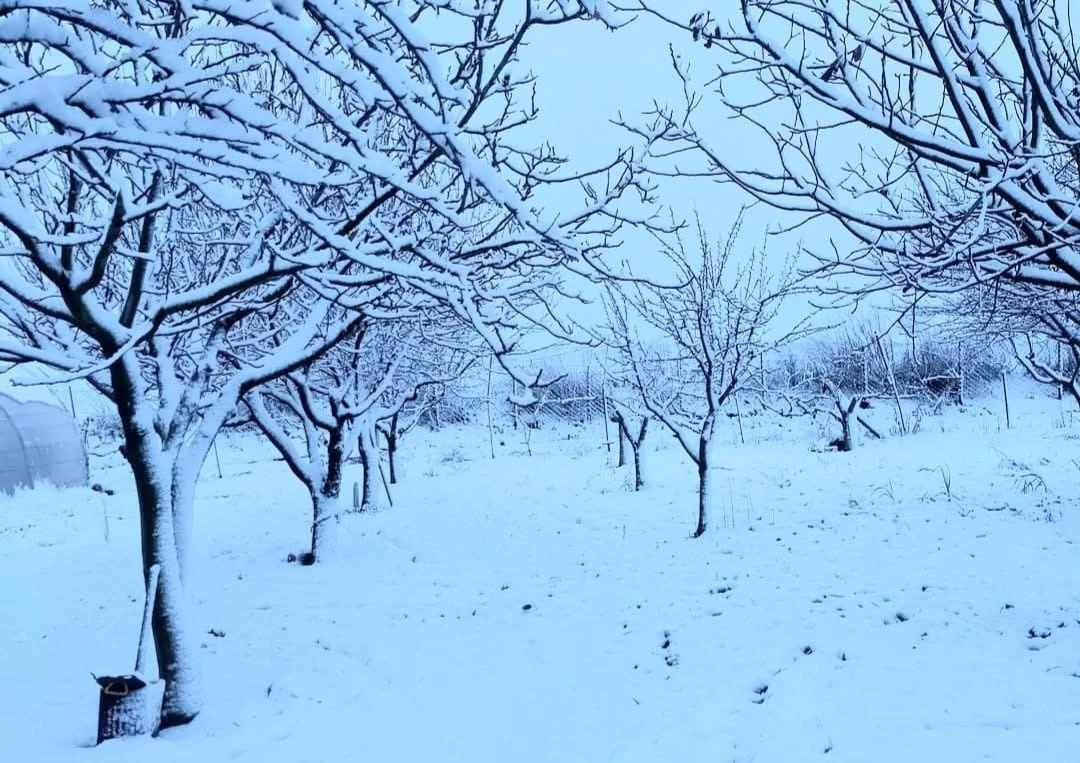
[[942, 136], [199, 198]]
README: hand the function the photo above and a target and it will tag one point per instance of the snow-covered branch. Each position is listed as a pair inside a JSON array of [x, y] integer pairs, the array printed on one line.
[[940, 135]]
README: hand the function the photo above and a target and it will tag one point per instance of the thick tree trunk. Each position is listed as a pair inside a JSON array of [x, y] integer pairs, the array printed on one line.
[[183, 520], [153, 472], [324, 526], [173, 644], [846, 443], [185, 476], [172, 638], [325, 499]]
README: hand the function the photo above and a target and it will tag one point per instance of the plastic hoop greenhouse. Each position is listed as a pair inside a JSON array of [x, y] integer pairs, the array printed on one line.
[[39, 443]]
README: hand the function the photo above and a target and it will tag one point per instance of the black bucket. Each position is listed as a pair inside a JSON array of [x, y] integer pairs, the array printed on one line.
[[122, 708]]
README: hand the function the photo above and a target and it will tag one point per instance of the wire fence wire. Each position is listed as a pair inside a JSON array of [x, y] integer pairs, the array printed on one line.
[[934, 370], [576, 388], [572, 389]]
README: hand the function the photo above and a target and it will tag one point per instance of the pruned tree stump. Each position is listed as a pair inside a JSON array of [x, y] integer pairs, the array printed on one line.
[[123, 709]]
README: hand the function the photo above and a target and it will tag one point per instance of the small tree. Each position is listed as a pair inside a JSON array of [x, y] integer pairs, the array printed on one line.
[[425, 395], [843, 411], [315, 415], [714, 326], [634, 437]]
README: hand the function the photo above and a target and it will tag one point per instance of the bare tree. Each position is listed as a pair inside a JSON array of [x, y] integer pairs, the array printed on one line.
[[194, 196], [634, 437], [712, 328], [410, 359], [943, 135], [318, 414], [842, 412], [444, 359]]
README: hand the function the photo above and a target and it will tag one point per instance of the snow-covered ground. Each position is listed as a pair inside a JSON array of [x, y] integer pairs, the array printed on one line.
[[916, 600]]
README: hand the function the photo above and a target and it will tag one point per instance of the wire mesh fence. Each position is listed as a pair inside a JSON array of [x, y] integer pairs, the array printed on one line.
[[935, 369], [576, 387]]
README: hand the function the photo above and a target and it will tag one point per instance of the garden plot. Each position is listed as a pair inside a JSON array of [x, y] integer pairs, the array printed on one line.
[[916, 599]]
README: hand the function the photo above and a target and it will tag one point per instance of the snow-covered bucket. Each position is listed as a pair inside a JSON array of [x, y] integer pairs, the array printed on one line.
[[122, 708]]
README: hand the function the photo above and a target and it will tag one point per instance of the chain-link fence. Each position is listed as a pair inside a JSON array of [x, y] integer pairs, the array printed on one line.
[[572, 388], [912, 376], [940, 370]]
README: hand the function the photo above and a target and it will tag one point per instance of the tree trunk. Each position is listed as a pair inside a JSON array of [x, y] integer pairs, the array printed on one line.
[[846, 443], [369, 464], [153, 472], [705, 438], [365, 477], [185, 476], [324, 526], [626, 438], [704, 486], [639, 479], [173, 645], [391, 447], [326, 513], [636, 444]]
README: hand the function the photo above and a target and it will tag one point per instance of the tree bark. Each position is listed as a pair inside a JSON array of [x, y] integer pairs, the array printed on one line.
[[325, 514], [626, 438], [324, 526], [636, 444], [846, 443], [173, 645], [369, 462], [391, 447], [705, 438], [186, 469], [704, 486], [153, 471], [639, 479], [617, 418]]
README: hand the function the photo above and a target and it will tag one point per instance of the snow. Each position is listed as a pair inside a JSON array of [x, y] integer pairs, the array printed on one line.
[[913, 600]]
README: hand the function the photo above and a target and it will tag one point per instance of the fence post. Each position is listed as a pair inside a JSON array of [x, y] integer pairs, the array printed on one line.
[[1005, 389], [603, 402], [866, 371], [1060, 387], [960, 368]]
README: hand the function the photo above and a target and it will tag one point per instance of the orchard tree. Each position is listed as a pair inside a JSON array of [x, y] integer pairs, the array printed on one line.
[[443, 351], [199, 198], [710, 330], [631, 431], [318, 415]]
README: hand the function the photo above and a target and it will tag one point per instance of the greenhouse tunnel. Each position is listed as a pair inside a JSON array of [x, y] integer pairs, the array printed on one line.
[[39, 443]]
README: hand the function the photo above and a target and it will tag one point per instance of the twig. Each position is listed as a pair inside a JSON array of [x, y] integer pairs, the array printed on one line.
[[869, 428]]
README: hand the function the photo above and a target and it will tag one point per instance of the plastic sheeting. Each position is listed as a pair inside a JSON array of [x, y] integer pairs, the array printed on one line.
[[39, 443]]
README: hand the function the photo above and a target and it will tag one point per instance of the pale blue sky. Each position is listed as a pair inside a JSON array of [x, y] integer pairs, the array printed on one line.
[[588, 75]]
